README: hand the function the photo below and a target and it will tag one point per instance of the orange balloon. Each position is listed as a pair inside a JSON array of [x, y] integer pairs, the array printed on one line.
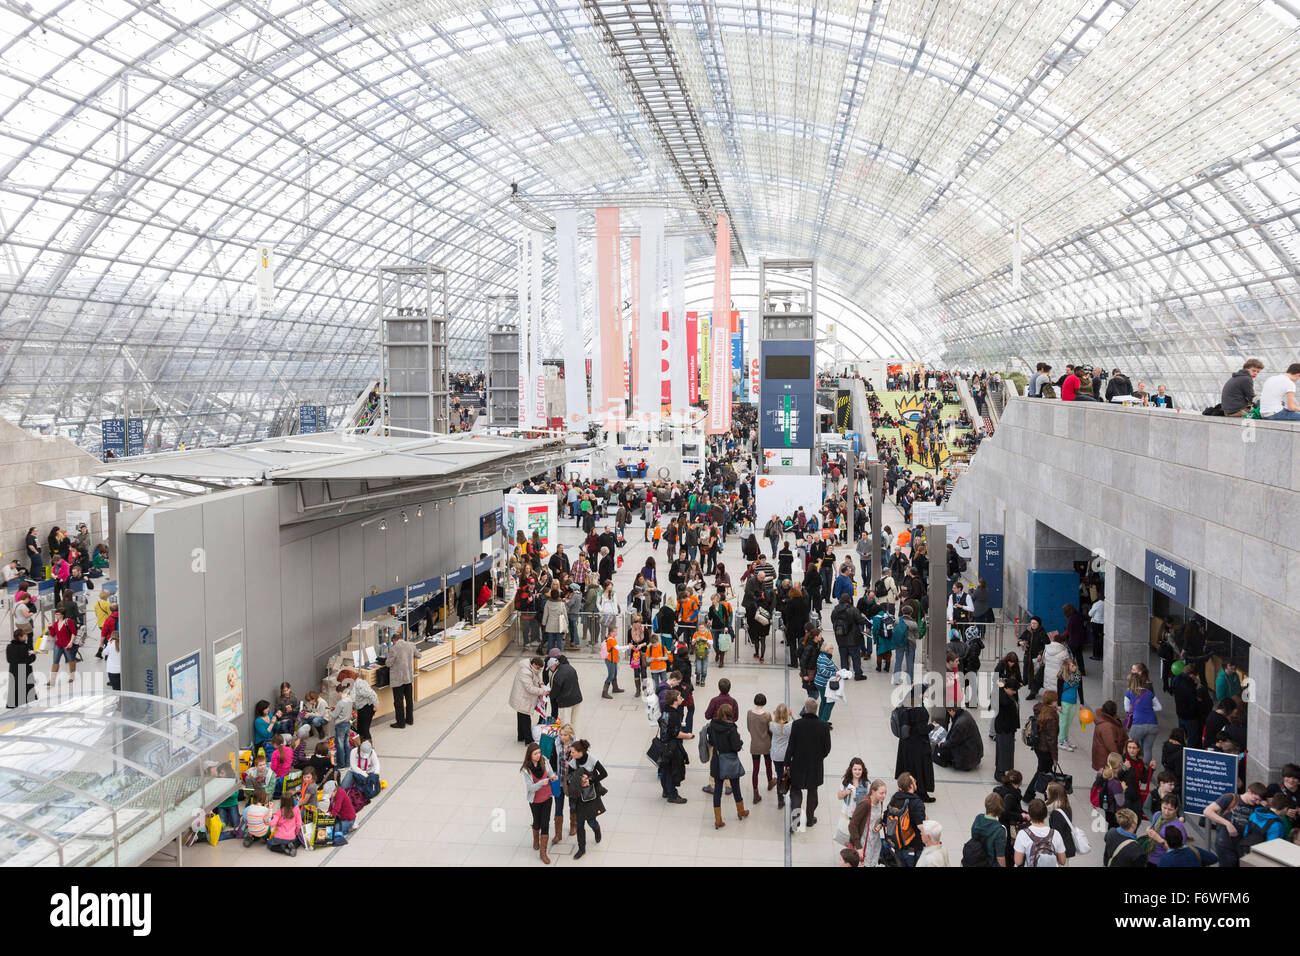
[[1085, 718], [904, 538]]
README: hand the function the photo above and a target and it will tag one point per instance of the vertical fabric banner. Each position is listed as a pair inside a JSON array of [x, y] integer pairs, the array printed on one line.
[[609, 314], [634, 326], [522, 322], [692, 358], [665, 368], [265, 278], [594, 370], [678, 338], [703, 351], [723, 319], [649, 362], [538, 381], [1015, 255], [755, 350], [566, 283]]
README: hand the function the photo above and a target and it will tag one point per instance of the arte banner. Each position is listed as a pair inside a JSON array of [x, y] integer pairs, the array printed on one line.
[[692, 358], [666, 367], [724, 319], [566, 283], [522, 292], [647, 345], [634, 322], [678, 337], [610, 316], [537, 416]]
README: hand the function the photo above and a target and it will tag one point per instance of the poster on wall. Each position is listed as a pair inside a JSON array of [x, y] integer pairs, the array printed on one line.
[[228, 676], [782, 495], [183, 691], [529, 513], [75, 520], [959, 533]]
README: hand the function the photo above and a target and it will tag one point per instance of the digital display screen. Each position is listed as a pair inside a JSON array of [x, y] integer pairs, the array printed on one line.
[[787, 367]]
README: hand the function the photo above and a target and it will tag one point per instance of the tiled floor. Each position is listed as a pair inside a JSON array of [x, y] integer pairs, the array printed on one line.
[[455, 797]]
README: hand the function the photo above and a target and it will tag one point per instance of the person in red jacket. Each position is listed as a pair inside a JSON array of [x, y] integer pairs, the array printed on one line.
[[64, 632], [341, 809]]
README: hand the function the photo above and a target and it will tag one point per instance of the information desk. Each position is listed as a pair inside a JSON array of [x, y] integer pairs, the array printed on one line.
[[465, 650]]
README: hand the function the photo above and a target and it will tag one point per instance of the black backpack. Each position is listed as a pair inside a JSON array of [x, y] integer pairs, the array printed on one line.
[[896, 726], [1214, 410], [975, 853]]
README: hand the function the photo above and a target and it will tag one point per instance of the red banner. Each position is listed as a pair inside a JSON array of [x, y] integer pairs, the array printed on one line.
[[720, 357], [693, 357]]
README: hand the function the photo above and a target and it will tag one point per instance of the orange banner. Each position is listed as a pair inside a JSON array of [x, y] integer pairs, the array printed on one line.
[[610, 315]]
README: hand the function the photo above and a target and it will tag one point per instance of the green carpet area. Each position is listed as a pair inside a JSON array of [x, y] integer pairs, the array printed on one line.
[[891, 401]]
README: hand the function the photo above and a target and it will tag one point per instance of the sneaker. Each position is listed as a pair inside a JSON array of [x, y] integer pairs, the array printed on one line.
[[248, 840], [706, 788], [676, 799]]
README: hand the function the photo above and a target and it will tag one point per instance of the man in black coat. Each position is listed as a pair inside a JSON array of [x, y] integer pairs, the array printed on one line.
[[847, 622], [566, 695], [559, 561], [805, 756], [963, 749]]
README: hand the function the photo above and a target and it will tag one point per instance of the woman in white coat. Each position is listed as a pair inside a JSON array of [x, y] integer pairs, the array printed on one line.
[[525, 692], [1054, 655]]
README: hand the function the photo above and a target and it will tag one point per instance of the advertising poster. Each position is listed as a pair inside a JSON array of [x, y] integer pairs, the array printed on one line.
[[706, 321], [737, 366], [228, 676], [843, 411], [183, 681], [693, 357]]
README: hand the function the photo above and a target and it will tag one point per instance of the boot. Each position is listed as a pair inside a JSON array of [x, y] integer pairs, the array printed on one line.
[[717, 818], [559, 827], [617, 689], [757, 798], [741, 812], [542, 850], [537, 839], [604, 692], [780, 801], [573, 825]]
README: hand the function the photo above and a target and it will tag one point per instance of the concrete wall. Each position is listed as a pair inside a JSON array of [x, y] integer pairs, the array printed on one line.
[[1221, 496], [24, 460], [295, 591]]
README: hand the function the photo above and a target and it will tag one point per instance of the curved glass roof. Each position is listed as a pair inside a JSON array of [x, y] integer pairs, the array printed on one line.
[[1149, 150], [106, 779]]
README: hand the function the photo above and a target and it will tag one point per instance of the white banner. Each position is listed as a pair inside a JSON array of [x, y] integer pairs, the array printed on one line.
[[265, 278], [537, 416], [678, 391], [1015, 255], [566, 280], [782, 495], [522, 322], [649, 388]]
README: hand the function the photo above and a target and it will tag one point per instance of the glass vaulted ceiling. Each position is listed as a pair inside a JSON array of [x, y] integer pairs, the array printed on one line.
[[1148, 148]]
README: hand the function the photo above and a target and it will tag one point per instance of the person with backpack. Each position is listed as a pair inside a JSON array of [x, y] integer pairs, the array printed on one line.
[[1108, 791], [1042, 735], [1038, 844], [1140, 708], [672, 755], [1231, 814], [901, 831], [988, 841], [806, 752], [1179, 854], [867, 824], [911, 725], [1162, 827], [847, 622], [1266, 822], [1122, 848], [1108, 734]]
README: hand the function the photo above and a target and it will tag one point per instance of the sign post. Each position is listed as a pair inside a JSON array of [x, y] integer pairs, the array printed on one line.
[[991, 566], [1207, 775], [1169, 578]]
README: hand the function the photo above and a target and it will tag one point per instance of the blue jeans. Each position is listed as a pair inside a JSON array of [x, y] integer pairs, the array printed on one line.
[[1193, 729], [367, 784], [611, 672], [315, 722], [1286, 415], [573, 630], [690, 719], [1145, 734], [554, 639], [342, 752], [701, 669], [906, 653], [341, 827]]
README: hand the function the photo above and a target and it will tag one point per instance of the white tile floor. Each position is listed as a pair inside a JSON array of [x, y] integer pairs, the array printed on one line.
[[454, 794]]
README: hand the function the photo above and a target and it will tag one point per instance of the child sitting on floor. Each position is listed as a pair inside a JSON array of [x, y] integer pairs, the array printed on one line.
[[286, 828], [260, 775], [315, 713], [341, 809], [281, 756], [308, 793], [257, 817]]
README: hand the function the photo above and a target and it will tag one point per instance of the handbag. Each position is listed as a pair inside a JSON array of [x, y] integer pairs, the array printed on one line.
[[730, 767], [1057, 775], [658, 751], [762, 616], [783, 784]]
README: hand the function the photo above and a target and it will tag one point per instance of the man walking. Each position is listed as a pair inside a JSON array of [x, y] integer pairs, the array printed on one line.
[[805, 756]]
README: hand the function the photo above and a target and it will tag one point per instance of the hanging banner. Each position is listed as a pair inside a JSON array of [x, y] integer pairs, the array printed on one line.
[[522, 322], [538, 416], [665, 367], [844, 412], [566, 284], [706, 320], [723, 319], [113, 432], [755, 350], [609, 315], [634, 325], [649, 351], [1015, 255], [677, 336], [736, 366], [265, 278], [692, 358]]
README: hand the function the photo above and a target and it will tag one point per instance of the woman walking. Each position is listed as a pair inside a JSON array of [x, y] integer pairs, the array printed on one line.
[[537, 776], [853, 790], [757, 722], [725, 765], [1047, 715], [779, 727]]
